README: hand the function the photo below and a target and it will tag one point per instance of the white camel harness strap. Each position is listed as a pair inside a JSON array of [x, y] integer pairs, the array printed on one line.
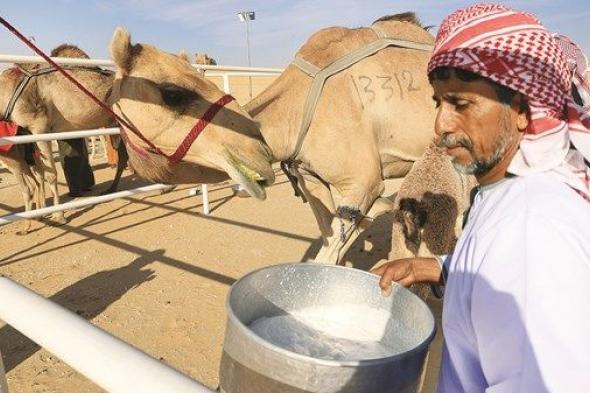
[[321, 75]]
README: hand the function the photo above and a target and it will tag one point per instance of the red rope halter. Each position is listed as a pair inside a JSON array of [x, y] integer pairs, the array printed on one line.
[[180, 152]]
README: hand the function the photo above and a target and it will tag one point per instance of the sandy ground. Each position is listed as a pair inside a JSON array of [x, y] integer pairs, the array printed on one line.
[[154, 271]]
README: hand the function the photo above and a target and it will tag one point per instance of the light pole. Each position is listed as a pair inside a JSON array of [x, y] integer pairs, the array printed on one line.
[[247, 16]]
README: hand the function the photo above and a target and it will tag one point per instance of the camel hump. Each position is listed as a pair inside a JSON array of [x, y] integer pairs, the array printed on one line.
[[69, 50], [403, 17], [330, 44]]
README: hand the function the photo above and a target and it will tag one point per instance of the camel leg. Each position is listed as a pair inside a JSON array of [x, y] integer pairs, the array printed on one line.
[[319, 197], [354, 198], [51, 177], [39, 176], [345, 232], [15, 162], [28, 190]]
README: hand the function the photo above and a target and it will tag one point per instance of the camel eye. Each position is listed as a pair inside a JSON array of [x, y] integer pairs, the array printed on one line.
[[175, 96]]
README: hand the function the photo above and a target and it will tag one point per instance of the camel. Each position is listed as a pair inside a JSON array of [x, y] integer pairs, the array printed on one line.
[[430, 207], [50, 103], [373, 119], [204, 59], [27, 169]]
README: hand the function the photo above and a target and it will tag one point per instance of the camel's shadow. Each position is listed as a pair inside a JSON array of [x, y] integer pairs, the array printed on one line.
[[88, 298], [372, 246]]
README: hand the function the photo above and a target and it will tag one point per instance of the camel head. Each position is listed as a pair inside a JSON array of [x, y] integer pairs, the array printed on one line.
[[164, 97], [203, 58]]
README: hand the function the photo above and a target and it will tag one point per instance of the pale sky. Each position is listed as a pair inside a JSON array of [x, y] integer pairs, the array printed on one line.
[[280, 28]]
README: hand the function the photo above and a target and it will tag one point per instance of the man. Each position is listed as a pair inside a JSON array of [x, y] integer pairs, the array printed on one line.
[[77, 169], [516, 315]]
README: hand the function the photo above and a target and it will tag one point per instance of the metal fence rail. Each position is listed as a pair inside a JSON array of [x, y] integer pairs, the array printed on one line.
[[211, 70], [81, 203], [57, 136], [111, 363], [109, 63]]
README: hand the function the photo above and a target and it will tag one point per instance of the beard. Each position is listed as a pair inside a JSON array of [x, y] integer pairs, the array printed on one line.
[[480, 165]]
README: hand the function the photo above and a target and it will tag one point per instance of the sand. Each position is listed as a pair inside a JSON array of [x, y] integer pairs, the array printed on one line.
[[154, 271]]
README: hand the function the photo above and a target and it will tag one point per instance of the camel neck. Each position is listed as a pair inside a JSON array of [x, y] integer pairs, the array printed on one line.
[[277, 126], [279, 111]]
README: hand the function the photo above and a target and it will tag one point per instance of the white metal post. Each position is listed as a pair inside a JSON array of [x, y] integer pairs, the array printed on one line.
[[246, 17], [249, 61], [226, 87], [111, 363], [205, 196]]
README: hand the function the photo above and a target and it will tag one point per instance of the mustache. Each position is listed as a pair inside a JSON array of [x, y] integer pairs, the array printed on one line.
[[453, 140]]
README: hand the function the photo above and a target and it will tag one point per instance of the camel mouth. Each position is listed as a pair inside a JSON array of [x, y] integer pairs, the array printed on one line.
[[252, 181]]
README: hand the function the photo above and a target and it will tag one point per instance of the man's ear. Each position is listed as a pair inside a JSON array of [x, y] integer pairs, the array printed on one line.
[[523, 112]]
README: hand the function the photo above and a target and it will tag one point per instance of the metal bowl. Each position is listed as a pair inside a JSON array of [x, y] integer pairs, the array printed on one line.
[[345, 302]]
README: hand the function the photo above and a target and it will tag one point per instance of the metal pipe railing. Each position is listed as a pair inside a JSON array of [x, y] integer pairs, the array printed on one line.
[[57, 136], [221, 74], [86, 201], [89, 201], [110, 63], [60, 60], [111, 363]]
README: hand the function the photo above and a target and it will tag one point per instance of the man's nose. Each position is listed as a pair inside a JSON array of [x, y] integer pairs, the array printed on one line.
[[446, 121]]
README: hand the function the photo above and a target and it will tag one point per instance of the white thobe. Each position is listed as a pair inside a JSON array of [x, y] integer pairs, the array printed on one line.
[[516, 314]]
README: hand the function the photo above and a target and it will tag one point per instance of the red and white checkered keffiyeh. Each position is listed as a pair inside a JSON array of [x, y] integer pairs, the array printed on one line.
[[513, 49], [578, 67]]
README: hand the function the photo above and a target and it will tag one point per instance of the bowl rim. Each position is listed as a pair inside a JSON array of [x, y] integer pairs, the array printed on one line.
[[324, 362]]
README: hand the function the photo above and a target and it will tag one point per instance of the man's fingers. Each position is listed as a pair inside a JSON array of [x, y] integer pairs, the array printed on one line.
[[387, 276], [383, 283], [386, 292], [393, 271], [386, 282]]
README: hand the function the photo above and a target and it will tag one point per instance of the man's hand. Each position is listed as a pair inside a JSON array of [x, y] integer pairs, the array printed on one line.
[[408, 271]]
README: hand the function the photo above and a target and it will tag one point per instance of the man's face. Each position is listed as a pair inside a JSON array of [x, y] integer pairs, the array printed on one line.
[[476, 128]]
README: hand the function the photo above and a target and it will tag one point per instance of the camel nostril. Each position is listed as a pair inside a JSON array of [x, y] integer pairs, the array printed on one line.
[[263, 183]]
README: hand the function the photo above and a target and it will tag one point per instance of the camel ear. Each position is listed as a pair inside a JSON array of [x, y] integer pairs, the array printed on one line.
[[184, 55], [121, 50]]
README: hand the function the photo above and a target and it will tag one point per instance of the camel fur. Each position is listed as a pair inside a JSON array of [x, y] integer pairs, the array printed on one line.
[[430, 207]]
